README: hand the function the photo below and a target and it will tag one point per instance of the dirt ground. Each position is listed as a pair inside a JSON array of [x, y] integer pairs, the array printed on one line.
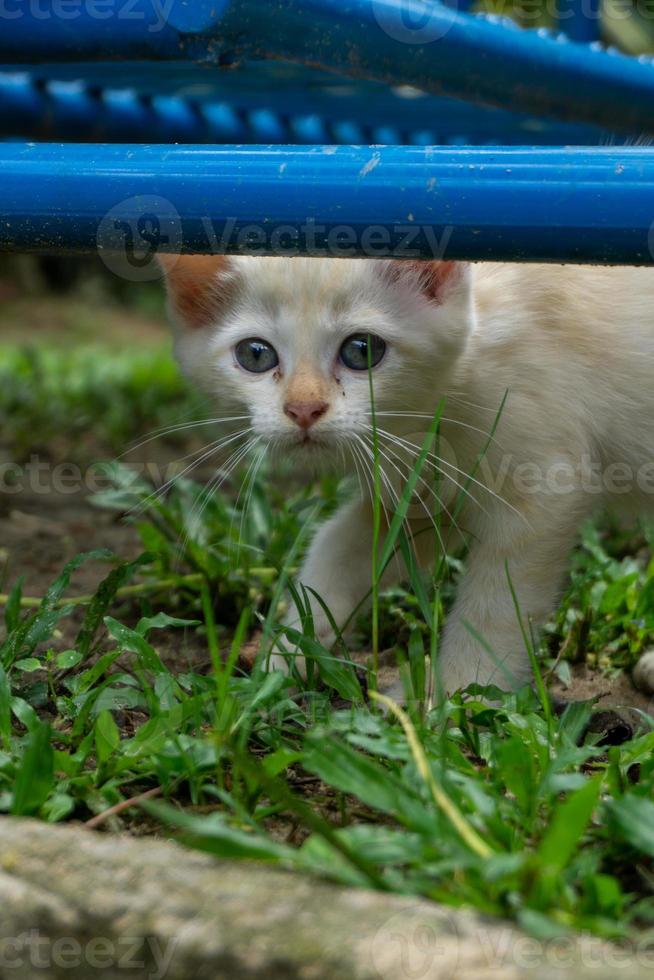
[[39, 534]]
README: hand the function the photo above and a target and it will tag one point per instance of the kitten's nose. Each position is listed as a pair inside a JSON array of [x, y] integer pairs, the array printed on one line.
[[304, 414]]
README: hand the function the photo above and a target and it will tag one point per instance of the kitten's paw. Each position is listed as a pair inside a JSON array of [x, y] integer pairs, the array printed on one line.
[[322, 631], [462, 662], [290, 655]]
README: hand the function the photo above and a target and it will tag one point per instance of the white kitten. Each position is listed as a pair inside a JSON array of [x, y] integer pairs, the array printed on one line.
[[567, 351]]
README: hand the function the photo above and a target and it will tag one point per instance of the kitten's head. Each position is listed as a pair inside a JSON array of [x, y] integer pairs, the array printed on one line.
[[291, 340]]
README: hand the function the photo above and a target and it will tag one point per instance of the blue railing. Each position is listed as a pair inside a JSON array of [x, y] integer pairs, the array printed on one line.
[[307, 78], [530, 204], [429, 45]]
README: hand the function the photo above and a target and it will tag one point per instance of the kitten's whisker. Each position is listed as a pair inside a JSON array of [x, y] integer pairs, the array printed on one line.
[[249, 481], [217, 446], [396, 497], [255, 475], [224, 472], [206, 453], [407, 446], [466, 476], [341, 454], [384, 477], [362, 472], [209, 450], [463, 401], [358, 472], [205, 495], [405, 521], [364, 469], [473, 428], [181, 426], [431, 490], [443, 418]]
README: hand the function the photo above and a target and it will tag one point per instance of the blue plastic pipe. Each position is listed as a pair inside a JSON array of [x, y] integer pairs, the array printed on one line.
[[251, 106], [426, 44], [574, 205]]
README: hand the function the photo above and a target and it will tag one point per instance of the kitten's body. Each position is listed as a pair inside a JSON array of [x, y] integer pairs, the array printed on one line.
[[567, 351]]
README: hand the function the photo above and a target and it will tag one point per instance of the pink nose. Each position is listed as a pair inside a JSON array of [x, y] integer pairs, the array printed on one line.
[[305, 414]]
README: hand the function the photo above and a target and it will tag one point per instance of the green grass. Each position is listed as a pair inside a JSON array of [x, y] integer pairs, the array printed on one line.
[[140, 689], [89, 396]]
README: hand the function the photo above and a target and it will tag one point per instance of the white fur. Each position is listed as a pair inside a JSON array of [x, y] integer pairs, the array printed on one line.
[[571, 349]]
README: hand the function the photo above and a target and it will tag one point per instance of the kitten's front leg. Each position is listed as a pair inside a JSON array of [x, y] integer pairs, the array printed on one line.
[[534, 564], [338, 568]]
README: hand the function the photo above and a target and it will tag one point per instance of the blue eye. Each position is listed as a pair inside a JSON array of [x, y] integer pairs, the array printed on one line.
[[256, 356], [354, 351]]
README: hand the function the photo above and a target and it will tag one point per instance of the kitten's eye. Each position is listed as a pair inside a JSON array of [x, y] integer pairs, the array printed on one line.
[[354, 351], [255, 355]]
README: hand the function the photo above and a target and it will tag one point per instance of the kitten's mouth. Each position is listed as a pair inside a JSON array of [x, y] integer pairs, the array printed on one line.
[[306, 442], [309, 441]]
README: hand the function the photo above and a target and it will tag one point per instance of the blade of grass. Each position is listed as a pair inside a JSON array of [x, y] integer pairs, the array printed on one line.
[[543, 696], [104, 596], [376, 525], [36, 774], [404, 502], [282, 580], [467, 834], [460, 498]]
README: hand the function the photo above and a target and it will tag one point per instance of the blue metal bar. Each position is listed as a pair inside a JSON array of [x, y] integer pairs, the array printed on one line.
[[395, 41], [257, 104], [586, 205]]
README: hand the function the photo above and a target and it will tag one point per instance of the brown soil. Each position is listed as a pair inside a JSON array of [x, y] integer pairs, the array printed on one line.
[[40, 533]]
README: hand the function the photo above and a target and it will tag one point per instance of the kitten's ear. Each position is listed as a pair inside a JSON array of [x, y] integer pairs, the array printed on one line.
[[199, 286], [436, 280]]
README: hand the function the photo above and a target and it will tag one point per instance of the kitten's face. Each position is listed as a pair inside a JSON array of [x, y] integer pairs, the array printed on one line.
[[290, 342]]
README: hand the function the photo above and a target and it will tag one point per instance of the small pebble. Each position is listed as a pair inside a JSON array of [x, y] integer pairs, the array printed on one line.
[[643, 675]]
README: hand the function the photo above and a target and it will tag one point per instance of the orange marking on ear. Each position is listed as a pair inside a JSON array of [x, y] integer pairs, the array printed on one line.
[[431, 277], [196, 286]]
